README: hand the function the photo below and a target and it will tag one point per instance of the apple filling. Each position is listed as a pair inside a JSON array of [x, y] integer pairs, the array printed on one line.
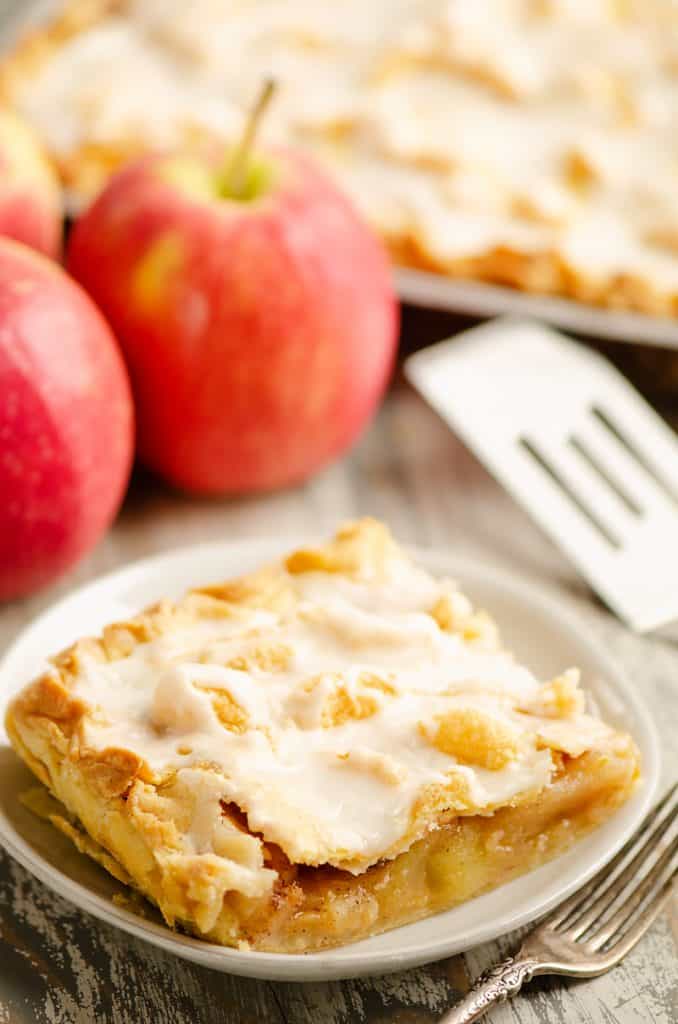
[[320, 751]]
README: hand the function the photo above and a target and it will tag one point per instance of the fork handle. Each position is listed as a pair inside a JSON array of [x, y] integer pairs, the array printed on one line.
[[493, 986]]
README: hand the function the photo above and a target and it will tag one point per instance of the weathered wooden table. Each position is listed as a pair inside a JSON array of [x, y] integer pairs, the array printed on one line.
[[59, 965]]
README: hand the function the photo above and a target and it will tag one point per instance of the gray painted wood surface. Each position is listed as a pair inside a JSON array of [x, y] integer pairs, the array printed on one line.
[[59, 965]]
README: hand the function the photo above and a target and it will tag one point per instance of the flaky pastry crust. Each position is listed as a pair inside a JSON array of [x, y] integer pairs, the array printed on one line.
[[529, 251], [171, 832]]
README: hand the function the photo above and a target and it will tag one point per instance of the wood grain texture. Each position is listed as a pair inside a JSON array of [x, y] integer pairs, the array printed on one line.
[[60, 966]]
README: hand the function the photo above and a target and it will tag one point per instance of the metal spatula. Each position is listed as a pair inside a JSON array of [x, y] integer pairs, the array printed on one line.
[[571, 440]]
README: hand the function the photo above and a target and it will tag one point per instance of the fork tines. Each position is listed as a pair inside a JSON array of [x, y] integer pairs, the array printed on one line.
[[613, 910]]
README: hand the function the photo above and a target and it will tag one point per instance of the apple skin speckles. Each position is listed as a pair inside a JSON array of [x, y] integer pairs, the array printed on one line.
[[66, 422], [260, 334]]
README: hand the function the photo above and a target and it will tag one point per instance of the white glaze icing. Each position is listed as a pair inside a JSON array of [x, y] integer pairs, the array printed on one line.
[[429, 96], [339, 793]]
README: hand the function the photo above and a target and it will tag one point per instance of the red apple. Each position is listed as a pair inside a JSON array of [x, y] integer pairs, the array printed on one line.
[[30, 195], [259, 328], [66, 421]]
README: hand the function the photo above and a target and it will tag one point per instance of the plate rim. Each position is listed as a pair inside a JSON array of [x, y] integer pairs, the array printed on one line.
[[335, 964]]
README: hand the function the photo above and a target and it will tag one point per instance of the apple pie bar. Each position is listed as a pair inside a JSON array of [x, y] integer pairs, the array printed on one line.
[[327, 748], [527, 142]]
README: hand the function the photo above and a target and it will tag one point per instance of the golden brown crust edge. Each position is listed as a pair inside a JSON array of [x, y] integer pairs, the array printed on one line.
[[127, 808], [115, 794], [323, 908], [540, 273]]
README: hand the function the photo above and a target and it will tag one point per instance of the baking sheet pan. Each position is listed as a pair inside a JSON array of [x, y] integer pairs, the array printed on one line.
[[475, 298], [434, 291]]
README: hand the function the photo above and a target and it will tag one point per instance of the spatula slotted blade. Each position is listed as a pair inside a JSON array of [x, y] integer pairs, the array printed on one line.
[[576, 445]]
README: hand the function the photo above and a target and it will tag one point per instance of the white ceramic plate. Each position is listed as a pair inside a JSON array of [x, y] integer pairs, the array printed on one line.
[[535, 627]]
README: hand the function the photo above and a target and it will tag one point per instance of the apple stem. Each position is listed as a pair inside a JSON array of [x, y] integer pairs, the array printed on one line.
[[236, 173]]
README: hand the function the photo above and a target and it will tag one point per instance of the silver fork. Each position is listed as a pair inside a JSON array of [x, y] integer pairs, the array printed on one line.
[[591, 931]]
